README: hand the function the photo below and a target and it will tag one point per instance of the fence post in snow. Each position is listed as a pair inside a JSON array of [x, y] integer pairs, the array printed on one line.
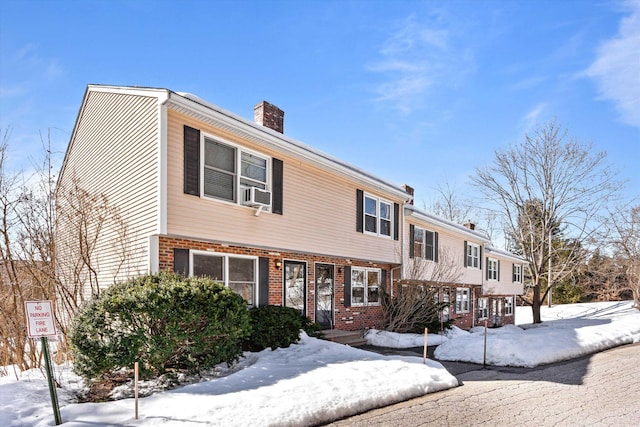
[[484, 360], [424, 354]]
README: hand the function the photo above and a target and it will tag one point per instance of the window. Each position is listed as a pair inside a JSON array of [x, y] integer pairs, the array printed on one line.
[[492, 269], [517, 273], [236, 272], [425, 244], [483, 308], [378, 216], [472, 255], [365, 286], [229, 170], [508, 306], [462, 300]]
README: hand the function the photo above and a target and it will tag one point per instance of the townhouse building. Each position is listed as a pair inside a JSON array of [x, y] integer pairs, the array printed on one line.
[[203, 191]]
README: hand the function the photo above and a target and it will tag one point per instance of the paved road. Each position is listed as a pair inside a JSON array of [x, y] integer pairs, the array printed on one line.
[[598, 390]]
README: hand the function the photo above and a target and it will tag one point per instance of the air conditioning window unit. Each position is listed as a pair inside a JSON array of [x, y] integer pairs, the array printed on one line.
[[254, 196]]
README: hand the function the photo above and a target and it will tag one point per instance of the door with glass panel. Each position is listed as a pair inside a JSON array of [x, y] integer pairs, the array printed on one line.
[[295, 285], [324, 295]]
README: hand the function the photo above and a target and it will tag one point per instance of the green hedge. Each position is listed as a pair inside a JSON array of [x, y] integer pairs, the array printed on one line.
[[274, 326], [165, 322]]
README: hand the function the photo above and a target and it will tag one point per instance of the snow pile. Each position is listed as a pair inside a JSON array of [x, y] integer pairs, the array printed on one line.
[[395, 340], [567, 331], [312, 382]]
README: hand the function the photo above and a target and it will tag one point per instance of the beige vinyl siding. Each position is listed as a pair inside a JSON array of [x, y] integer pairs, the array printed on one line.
[[504, 286], [319, 208], [450, 246], [119, 157]]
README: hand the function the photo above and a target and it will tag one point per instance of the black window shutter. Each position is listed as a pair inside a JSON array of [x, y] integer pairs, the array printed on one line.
[[396, 221], [263, 281], [191, 161], [277, 168], [513, 273], [480, 258], [412, 240], [359, 210], [498, 276], [435, 246], [347, 286], [181, 261], [383, 278], [487, 273], [465, 253]]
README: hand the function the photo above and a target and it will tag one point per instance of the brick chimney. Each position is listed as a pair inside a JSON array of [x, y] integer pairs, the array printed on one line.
[[269, 115], [408, 190], [470, 225]]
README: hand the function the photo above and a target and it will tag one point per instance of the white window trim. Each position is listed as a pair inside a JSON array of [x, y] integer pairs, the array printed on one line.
[[423, 254], [239, 150], [476, 257], [366, 302], [463, 291], [483, 308], [225, 265], [492, 269], [518, 274], [378, 218], [508, 308]]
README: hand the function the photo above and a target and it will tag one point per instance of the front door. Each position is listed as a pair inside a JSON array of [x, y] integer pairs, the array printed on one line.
[[295, 285], [324, 295], [496, 308]]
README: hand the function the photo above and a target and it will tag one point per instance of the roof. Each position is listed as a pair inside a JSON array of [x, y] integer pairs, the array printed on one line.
[[194, 106], [422, 215]]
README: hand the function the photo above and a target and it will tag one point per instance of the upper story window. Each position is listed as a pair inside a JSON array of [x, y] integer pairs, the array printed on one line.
[[239, 273], [425, 244], [493, 267], [228, 171], [378, 216], [517, 273], [472, 255]]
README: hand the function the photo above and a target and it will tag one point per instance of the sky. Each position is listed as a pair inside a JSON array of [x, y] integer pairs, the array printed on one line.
[[416, 92], [316, 381]]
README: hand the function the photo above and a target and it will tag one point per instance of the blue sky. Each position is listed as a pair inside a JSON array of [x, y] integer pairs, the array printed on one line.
[[417, 92]]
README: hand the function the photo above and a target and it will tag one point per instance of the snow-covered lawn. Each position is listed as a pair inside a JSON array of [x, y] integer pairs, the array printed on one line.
[[311, 382], [567, 331], [318, 381]]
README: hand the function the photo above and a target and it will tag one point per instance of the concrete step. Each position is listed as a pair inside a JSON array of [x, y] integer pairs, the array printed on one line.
[[351, 338]]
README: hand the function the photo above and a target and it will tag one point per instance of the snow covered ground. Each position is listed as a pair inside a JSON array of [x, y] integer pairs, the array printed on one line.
[[318, 381], [311, 382], [567, 331]]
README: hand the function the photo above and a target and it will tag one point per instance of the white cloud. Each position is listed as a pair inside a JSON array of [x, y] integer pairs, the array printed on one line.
[[415, 57], [531, 120], [616, 68]]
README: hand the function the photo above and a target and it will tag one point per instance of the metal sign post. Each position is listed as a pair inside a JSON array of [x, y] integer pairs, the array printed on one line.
[[41, 323]]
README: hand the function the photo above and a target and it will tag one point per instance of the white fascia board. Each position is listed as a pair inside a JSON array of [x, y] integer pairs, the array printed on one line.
[[192, 105], [413, 212], [504, 254]]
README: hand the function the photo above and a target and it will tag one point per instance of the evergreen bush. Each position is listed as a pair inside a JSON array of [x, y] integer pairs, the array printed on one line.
[[275, 326], [165, 322]]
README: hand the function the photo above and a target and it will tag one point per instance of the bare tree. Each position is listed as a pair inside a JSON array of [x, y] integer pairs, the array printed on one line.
[[626, 244], [572, 186], [416, 303], [39, 264]]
